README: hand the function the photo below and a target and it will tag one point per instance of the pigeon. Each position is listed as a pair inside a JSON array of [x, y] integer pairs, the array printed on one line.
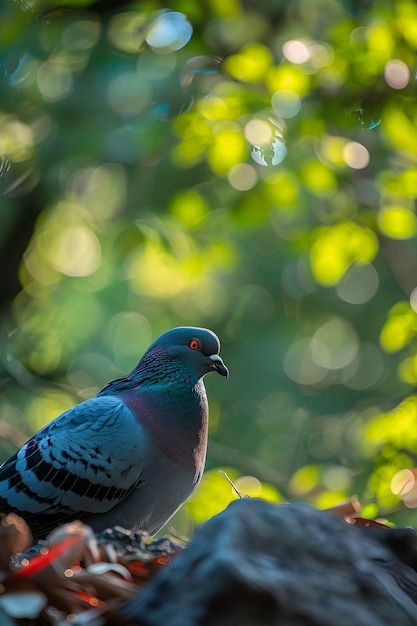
[[131, 455]]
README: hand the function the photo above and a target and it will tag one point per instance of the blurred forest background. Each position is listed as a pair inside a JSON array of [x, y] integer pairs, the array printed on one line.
[[242, 165]]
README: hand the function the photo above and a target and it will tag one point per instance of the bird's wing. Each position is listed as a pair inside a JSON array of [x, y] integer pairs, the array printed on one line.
[[86, 461]]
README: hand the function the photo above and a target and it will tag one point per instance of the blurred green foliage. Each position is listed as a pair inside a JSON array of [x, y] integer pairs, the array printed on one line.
[[246, 166]]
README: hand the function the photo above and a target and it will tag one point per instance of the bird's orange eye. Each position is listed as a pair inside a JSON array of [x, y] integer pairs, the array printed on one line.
[[194, 344]]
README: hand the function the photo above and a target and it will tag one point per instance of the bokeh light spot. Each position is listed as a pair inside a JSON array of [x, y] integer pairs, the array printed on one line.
[[46, 405], [73, 250], [404, 485], [413, 299], [102, 190], [242, 176], [249, 486], [397, 222], [335, 344], [312, 55], [402, 482], [300, 366], [355, 155], [272, 154], [228, 148], [126, 31], [318, 178], [336, 247], [337, 478], [16, 139], [189, 207], [399, 327], [366, 370], [258, 132], [321, 54], [359, 284], [213, 494], [288, 77], [81, 35], [251, 64], [282, 188], [331, 149], [305, 480], [397, 74], [213, 108], [170, 31], [296, 51], [54, 80], [286, 103]]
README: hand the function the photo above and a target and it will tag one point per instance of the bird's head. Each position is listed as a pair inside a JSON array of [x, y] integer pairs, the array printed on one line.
[[198, 348]]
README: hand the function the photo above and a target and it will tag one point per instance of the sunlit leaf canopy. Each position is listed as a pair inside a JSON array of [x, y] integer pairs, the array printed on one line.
[[246, 166]]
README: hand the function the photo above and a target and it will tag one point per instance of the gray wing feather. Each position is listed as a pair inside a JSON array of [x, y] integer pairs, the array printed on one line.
[[86, 461]]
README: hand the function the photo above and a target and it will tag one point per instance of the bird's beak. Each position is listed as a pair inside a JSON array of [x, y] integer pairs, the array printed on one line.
[[218, 365]]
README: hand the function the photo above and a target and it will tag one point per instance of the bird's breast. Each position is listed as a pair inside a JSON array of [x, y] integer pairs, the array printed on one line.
[[177, 426]]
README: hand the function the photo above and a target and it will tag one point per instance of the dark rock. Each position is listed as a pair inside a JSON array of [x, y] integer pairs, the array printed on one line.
[[257, 564]]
